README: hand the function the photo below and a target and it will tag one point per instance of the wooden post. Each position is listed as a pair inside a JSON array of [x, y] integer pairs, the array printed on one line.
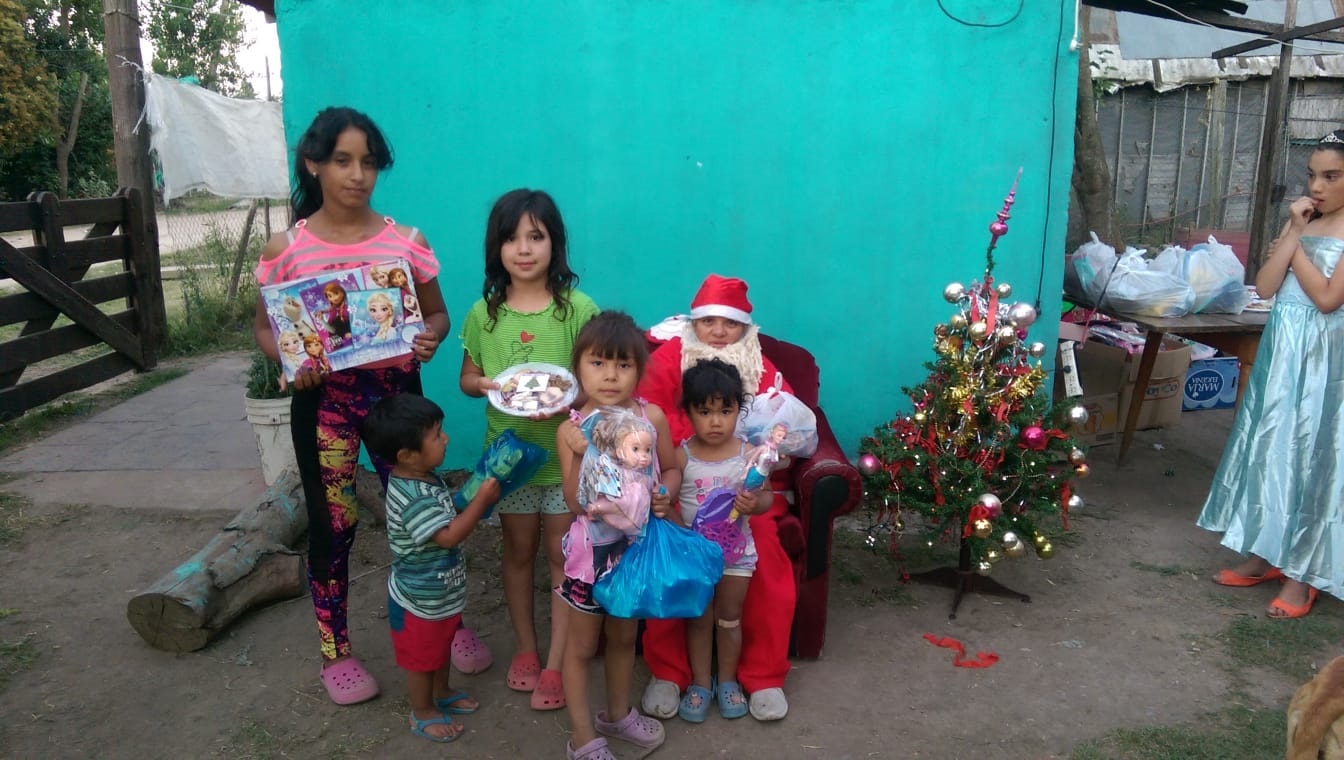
[[125, 80], [248, 564], [1271, 143]]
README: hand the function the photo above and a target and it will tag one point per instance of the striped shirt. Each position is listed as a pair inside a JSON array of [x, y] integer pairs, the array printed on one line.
[[307, 255], [426, 579]]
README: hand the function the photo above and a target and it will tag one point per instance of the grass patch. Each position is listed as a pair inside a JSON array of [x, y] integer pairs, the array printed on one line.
[[12, 522], [1166, 571], [204, 319], [1235, 733], [1288, 646], [15, 657]]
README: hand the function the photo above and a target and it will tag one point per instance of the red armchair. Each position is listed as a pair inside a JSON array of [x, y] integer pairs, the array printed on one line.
[[826, 486]]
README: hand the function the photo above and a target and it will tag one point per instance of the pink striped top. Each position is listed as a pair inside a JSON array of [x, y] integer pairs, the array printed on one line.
[[307, 255]]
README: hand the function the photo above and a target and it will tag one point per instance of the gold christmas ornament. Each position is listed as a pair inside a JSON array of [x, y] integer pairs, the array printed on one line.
[[920, 418], [982, 528], [940, 331], [983, 568], [1006, 335], [1078, 456], [1082, 470], [978, 331], [993, 555], [1045, 550], [1017, 550], [957, 322], [1040, 540], [1005, 290]]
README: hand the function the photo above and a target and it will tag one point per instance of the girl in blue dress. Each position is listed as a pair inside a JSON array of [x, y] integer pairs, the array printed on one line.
[[1276, 495]]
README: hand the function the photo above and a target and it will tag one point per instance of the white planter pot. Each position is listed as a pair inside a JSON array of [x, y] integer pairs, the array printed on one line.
[[270, 426]]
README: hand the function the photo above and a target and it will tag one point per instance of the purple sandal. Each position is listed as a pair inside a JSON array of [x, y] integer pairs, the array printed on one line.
[[470, 655], [596, 749], [634, 728]]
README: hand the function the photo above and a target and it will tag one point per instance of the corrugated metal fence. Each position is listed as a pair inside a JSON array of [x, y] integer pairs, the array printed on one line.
[[1186, 159]]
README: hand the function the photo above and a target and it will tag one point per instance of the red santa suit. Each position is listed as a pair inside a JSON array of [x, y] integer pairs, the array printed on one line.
[[767, 615]]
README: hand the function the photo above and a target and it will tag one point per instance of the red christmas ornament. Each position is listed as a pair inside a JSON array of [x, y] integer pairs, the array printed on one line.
[[1034, 438]]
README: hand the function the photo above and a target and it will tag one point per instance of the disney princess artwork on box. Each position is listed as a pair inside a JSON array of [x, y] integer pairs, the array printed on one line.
[[353, 322], [328, 301]]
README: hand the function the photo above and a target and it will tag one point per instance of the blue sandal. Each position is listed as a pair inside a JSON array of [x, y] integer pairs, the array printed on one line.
[[446, 704], [418, 728], [695, 704], [732, 702]]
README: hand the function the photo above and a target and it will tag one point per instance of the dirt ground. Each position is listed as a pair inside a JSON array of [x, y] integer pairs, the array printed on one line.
[[1123, 631]]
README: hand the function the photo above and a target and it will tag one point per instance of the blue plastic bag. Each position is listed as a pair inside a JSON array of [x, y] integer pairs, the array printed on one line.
[[509, 460], [667, 572]]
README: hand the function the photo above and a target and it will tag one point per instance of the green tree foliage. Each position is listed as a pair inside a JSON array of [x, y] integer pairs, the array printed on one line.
[[27, 92], [201, 41], [67, 37]]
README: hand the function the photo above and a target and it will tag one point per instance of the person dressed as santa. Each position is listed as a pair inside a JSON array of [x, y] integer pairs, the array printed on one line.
[[720, 327]]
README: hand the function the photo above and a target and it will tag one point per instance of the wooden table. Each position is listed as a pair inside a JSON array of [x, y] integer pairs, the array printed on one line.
[[1234, 334]]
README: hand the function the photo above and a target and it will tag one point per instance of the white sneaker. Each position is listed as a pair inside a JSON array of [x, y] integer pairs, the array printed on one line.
[[661, 699], [769, 704]]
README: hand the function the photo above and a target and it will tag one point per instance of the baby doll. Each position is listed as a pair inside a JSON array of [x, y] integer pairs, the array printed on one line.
[[616, 485]]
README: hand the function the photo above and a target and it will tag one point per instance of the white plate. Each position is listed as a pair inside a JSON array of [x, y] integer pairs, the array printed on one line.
[[551, 389]]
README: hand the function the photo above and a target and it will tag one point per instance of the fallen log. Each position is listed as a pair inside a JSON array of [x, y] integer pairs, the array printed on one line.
[[248, 564]]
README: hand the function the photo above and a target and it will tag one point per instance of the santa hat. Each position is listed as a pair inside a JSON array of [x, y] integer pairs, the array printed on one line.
[[722, 297]]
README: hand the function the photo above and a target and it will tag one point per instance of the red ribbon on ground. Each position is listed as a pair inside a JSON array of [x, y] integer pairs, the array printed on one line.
[[982, 659]]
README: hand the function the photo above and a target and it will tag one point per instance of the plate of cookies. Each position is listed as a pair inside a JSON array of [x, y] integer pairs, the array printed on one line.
[[533, 388]]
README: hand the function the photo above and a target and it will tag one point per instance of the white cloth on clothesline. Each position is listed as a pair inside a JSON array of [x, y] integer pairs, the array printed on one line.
[[231, 147]]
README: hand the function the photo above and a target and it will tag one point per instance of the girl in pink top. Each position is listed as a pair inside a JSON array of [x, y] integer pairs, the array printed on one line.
[[338, 162]]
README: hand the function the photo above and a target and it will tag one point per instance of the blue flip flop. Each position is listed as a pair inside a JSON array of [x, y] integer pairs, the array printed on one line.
[[446, 704], [418, 728], [689, 710]]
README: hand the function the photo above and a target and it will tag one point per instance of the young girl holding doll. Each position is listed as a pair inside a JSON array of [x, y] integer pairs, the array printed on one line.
[[1277, 492], [609, 357], [530, 311], [714, 464], [339, 158]]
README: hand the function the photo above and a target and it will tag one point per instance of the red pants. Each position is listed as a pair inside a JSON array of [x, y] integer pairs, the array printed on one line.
[[767, 618]]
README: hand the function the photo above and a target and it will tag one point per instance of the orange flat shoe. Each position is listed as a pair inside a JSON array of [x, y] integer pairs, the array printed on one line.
[[1227, 577], [1287, 611]]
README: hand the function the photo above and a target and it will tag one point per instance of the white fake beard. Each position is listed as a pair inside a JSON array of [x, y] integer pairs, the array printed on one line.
[[745, 354]]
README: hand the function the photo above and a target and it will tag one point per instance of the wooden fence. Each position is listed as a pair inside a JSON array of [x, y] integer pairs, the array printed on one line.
[[53, 277]]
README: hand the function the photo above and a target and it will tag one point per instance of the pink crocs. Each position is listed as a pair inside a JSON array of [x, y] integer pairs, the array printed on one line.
[[470, 655], [348, 683]]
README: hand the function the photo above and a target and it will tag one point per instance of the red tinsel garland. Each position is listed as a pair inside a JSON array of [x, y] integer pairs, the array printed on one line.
[[982, 659]]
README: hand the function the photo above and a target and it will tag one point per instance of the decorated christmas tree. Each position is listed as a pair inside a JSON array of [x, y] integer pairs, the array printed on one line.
[[983, 458]]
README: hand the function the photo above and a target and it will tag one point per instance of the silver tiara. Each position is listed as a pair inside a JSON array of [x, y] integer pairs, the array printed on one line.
[[1332, 138]]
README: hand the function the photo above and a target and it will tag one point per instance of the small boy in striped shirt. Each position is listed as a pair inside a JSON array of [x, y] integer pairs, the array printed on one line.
[[427, 589]]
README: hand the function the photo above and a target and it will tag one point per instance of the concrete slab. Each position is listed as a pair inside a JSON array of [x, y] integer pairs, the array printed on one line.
[[185, 445]]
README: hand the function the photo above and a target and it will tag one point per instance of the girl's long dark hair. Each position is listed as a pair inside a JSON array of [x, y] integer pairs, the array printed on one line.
[[504, 217], [317, 145]]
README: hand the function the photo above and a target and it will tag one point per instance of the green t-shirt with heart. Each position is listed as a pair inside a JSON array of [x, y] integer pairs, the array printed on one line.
[[517, 337]]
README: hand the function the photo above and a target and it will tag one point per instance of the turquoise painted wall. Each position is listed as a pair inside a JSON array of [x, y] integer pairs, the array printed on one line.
[[845, 157]]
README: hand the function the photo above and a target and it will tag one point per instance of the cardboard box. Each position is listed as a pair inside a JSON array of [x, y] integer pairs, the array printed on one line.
[[1101, 381], [1162, 398], [1211, 384]]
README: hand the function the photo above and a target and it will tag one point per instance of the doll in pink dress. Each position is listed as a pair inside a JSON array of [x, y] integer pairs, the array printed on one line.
[[618, 479]]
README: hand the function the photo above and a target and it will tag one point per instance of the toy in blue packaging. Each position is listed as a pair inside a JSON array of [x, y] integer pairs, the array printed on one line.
[[509, 460], [667, 572]]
